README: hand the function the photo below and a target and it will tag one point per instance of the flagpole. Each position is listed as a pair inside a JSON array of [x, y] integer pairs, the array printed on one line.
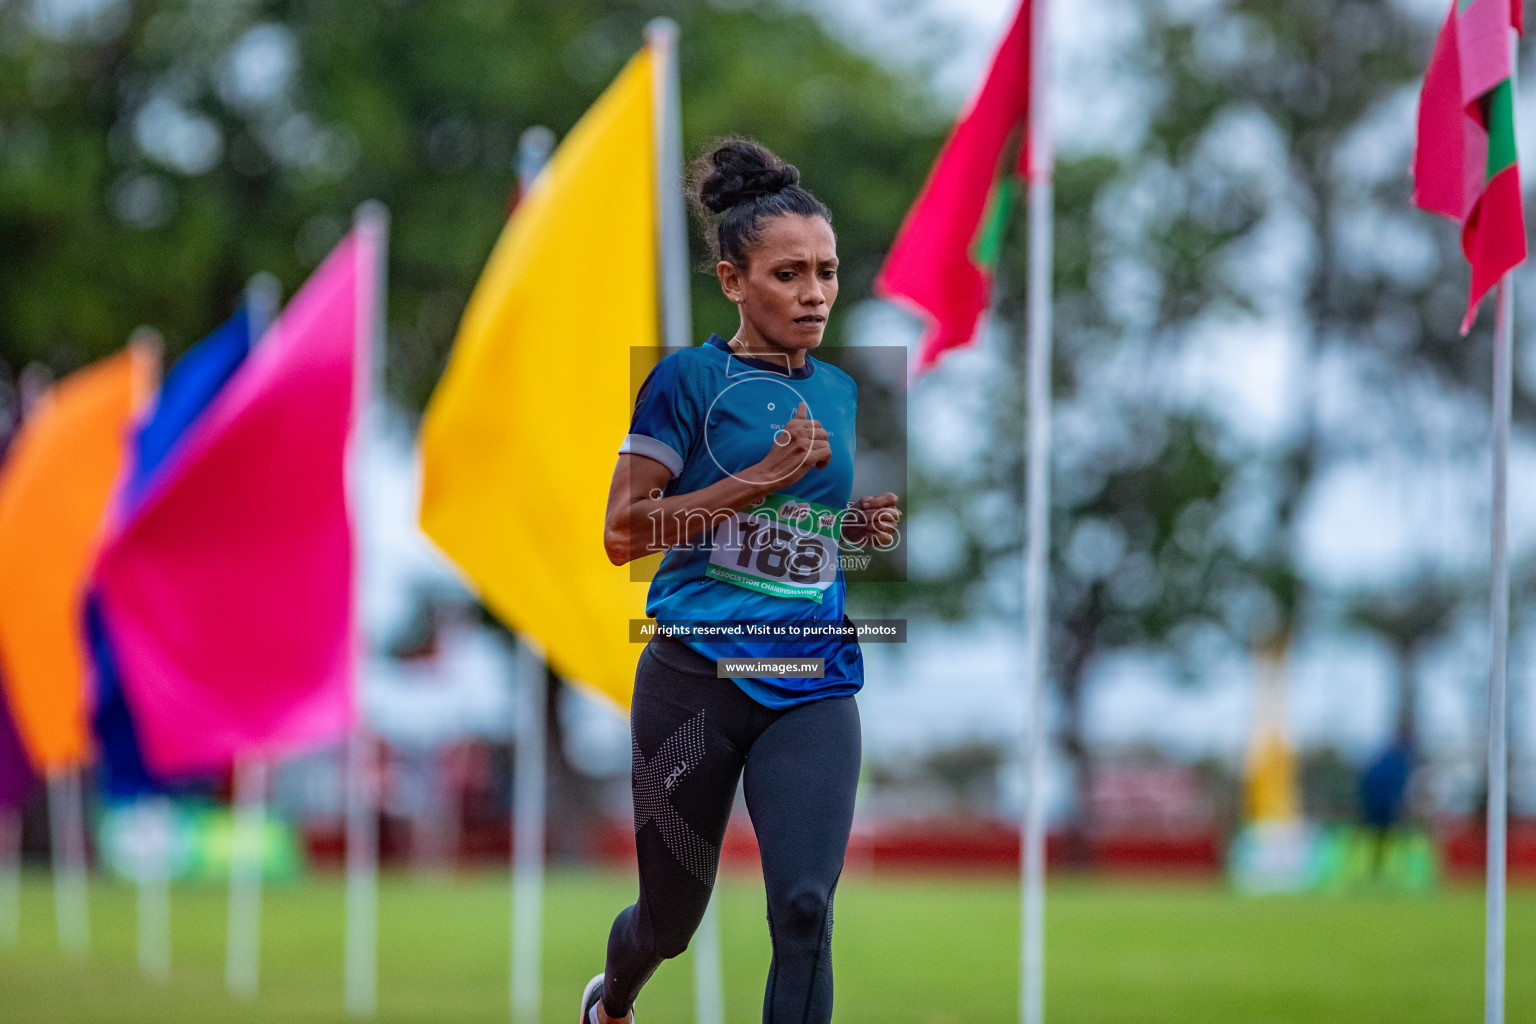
[[528, 835], [153, 872], [10, 876], [529, 780], [66, 823], [151, 867], [1498, 696], [242, 952], [263, 294], [661, 34], [1037, 551], [362, 942], [1498, 728], [671, 212]]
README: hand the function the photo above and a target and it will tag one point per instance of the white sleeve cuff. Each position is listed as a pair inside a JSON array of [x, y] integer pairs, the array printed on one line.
[[639, 444]]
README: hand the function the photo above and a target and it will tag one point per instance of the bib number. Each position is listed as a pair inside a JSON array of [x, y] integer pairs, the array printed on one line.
[[784, 547]]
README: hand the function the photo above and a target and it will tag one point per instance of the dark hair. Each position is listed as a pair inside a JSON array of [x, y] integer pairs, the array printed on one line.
[[736, 184]]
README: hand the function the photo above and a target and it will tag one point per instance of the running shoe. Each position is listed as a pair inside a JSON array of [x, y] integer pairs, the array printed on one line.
[[589, 997]]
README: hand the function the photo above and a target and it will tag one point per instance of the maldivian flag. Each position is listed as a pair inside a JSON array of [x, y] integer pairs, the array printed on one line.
[[520, 438], [228, 588], [944, 256], [188, 388], [54, 490], [1464, 165]]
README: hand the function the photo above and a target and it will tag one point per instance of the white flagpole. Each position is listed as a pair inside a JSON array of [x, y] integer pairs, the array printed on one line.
[[708, 977], [150, 862], [671, 211], [528, 836], [661, 34], [153, 877], [66, 822], [362, 943], [1498, 696], [1498, 728], [529, 785], [242, 952], [1037, 552], [10, 876], [362, 878], [263, 293]]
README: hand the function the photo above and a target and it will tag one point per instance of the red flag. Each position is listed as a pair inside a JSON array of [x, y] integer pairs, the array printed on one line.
[[229, 588], [1464, 165], [942, 260]]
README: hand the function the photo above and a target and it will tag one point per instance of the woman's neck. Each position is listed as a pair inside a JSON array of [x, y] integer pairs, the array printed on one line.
[[748, 342]]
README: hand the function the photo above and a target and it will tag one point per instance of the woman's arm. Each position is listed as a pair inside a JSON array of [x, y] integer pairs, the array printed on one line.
[[640, 521]]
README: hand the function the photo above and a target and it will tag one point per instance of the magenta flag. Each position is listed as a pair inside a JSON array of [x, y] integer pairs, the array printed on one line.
[[228, 587], [1465, 164]]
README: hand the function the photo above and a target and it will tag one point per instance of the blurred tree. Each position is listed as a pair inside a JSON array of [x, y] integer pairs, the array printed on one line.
[[1408, 619], [1266, 192], [1144, 556], [1325, 93], [1142, 564], [1302, 111], [156, 153]]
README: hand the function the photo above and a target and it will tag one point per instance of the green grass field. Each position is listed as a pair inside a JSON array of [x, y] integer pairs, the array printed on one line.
[[908, 951]]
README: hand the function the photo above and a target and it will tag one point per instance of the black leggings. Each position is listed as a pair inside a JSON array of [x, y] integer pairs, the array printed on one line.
[[693, 735]]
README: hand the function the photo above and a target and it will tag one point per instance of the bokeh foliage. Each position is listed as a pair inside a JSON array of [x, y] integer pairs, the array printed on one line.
[[154, 154]]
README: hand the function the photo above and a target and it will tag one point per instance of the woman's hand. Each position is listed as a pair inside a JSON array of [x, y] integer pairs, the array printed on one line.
[[802, 445], [872, 520]]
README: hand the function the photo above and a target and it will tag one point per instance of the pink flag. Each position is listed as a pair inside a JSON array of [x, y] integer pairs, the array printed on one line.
[[229, 588], [1465, 164]]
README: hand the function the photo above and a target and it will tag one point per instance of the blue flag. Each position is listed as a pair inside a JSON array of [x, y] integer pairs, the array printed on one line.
[[187, 390]]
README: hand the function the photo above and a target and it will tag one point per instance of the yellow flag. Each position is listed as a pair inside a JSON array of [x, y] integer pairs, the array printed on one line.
[[54, 489], [519, 440]]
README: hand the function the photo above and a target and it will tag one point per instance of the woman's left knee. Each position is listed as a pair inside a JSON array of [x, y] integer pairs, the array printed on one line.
[[801, 910]]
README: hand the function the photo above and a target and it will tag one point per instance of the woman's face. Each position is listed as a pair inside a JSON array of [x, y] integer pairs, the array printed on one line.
[[787, 288]]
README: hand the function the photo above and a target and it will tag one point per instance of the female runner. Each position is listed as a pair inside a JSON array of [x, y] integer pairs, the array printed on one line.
[[739, 465]]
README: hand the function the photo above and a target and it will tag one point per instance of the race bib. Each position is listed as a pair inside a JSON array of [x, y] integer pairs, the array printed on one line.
[[785, 547]]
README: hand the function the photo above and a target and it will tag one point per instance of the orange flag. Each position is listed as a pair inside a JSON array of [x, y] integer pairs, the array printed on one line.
[[54, 489]]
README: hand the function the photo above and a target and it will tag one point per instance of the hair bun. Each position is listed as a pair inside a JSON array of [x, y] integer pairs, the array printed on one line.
[[739, 170], [737, 183]]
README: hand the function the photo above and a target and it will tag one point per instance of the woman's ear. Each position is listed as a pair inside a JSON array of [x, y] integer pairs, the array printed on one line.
[[730, 280]]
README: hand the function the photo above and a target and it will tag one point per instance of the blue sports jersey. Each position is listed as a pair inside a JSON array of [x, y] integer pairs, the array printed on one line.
[[706, 413]]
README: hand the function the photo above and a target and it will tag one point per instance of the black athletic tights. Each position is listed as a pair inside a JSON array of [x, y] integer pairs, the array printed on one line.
[[693, 736]]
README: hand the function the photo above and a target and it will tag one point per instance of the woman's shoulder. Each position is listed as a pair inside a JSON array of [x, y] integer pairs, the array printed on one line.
[[679, 366], [835, 375], [681, 357]]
